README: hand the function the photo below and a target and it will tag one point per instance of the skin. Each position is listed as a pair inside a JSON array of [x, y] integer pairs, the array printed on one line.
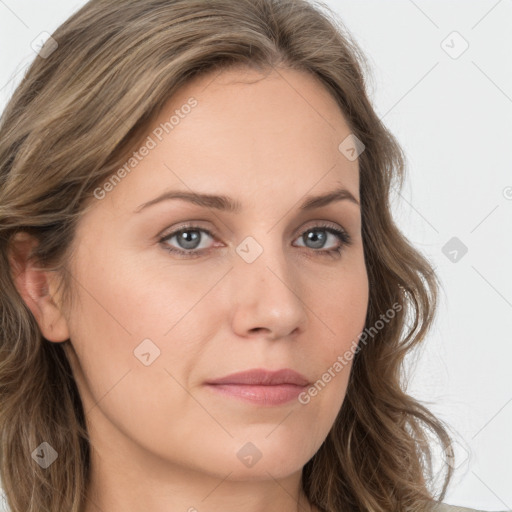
[[161, 440]]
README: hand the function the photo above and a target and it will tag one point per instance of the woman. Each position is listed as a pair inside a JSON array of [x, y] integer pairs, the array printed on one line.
[[205, 296]]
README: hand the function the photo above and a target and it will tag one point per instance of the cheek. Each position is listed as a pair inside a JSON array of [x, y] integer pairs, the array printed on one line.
[[136, 336], [130, 375], [342, 306]]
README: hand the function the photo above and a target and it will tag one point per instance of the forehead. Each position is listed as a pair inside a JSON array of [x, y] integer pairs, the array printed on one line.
[[251, 135], [245, 96], [284, 114]]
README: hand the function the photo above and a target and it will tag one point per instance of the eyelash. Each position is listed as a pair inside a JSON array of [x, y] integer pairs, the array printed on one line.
[[342, 235]]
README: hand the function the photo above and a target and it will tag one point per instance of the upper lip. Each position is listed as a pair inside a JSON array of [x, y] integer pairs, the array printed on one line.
[[262, 377]]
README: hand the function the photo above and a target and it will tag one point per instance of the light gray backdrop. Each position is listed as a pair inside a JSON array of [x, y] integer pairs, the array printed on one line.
[[442, 82]]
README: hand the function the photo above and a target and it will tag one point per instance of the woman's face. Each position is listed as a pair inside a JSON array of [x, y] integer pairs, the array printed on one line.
[[262, 287]]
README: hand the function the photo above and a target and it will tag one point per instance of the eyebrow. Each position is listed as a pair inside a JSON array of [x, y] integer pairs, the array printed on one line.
[[224, 203]]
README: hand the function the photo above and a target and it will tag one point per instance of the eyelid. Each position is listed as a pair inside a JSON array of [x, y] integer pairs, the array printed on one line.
[[312, 224], [185, 225]]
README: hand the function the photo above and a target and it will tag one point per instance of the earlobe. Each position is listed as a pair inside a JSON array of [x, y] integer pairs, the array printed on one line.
[[36, 286]]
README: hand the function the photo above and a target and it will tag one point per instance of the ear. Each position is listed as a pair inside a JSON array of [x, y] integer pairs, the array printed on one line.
[[37, 288]]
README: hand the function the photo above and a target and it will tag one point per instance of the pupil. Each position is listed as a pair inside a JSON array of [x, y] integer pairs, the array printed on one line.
[[190, 241], [318, 240]]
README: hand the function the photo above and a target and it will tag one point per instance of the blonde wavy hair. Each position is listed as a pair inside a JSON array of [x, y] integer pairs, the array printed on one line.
[[69, 125]]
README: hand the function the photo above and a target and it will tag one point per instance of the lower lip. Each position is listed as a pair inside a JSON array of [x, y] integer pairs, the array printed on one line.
[[261, 395]]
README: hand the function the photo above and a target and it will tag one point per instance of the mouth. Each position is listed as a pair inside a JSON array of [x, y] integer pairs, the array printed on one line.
[[261, 387]]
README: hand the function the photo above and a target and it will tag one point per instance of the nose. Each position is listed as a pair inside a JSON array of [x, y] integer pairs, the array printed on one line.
[[267, 297]]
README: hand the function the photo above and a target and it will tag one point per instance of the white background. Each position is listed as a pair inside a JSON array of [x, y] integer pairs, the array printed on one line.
[[453, 116]]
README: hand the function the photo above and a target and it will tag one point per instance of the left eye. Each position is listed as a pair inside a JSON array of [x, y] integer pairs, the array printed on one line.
[[312, 235], [189, 239]]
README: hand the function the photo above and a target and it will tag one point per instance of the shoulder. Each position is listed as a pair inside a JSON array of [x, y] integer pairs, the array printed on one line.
[[444, 507]]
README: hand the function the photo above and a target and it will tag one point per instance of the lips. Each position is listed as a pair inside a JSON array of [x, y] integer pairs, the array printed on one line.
[[261, 387], [260, 377]]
